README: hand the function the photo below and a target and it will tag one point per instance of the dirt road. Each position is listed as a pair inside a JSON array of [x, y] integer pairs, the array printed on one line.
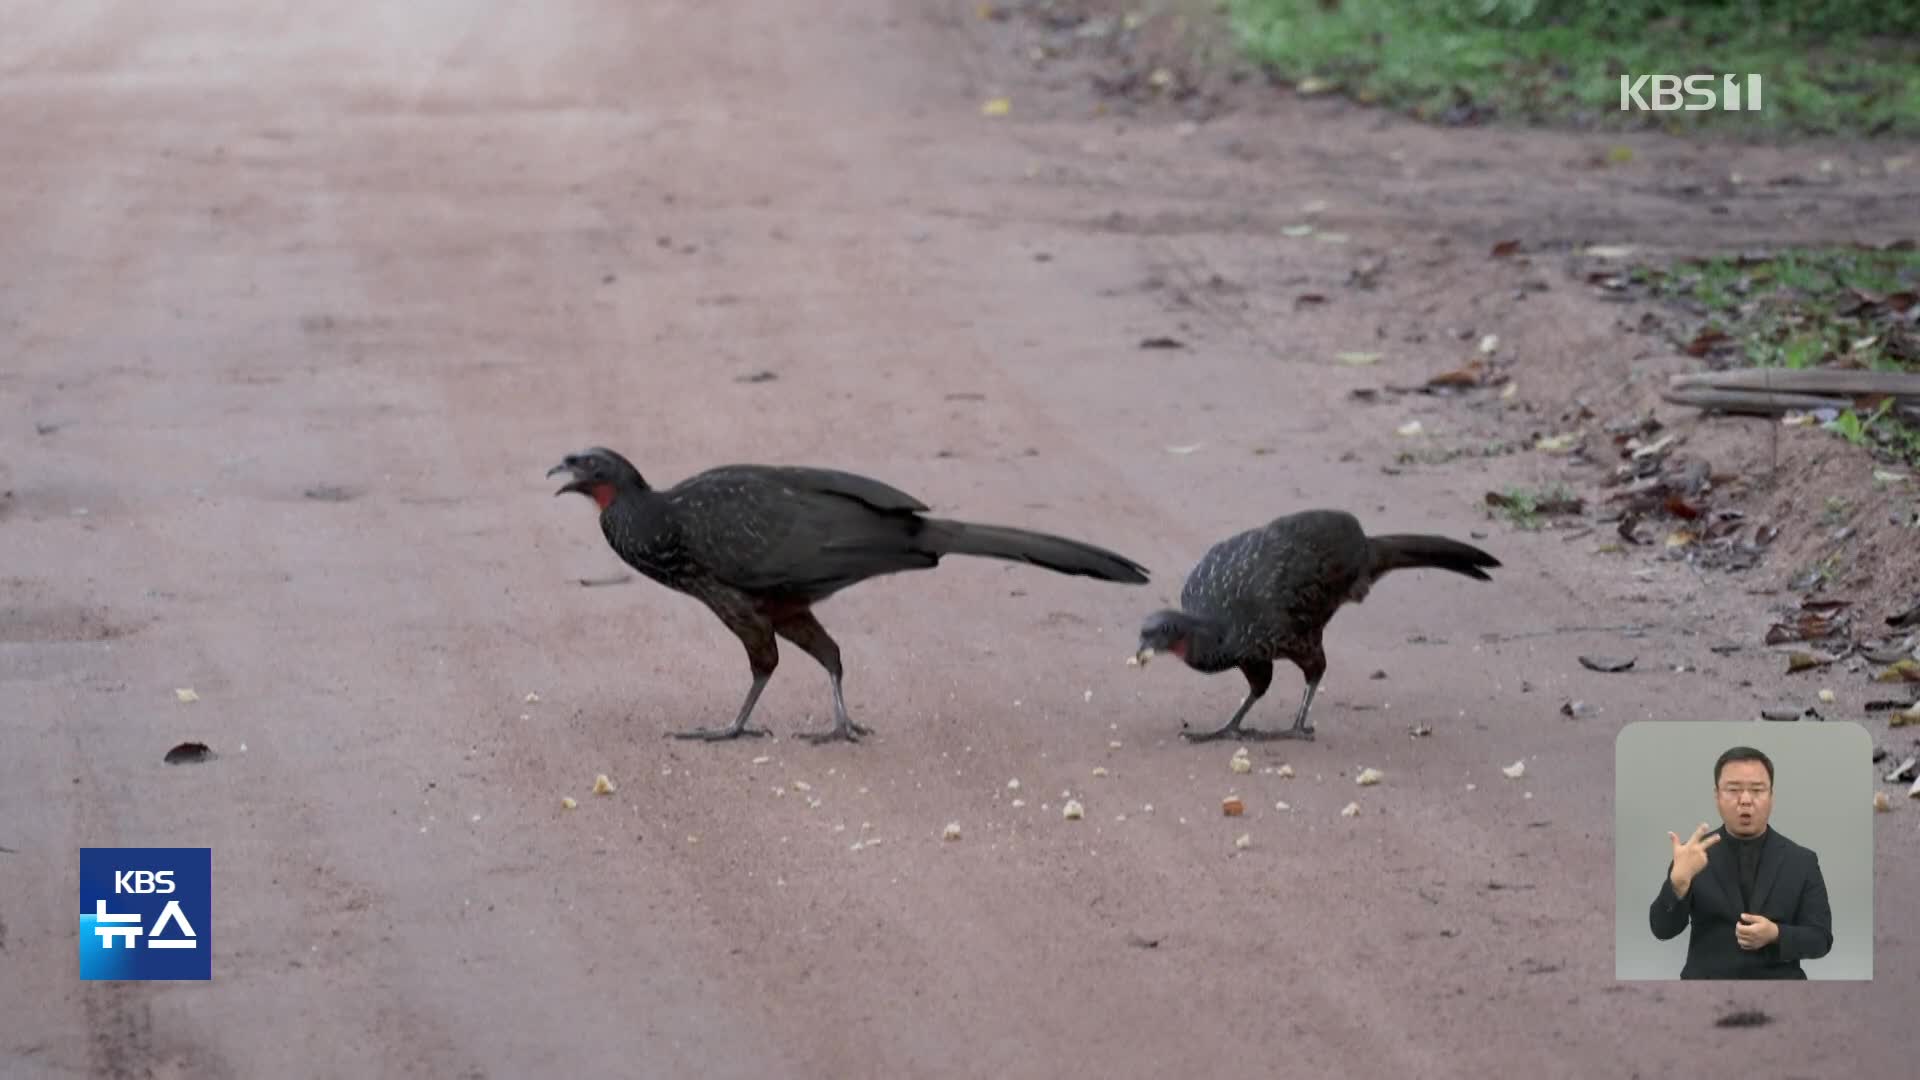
[[296, 310]]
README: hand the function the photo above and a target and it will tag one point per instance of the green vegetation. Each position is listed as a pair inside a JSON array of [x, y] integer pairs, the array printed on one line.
[[1806, 309], [1832, 66]]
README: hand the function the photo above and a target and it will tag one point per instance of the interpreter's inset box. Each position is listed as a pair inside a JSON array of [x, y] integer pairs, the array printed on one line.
[[1743, 850]]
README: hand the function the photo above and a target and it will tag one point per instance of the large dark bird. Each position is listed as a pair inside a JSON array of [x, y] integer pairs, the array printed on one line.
[[761, 545], [1268, 593]]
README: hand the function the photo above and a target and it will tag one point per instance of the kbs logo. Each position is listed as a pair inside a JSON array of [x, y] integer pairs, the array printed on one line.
[[1666, 93], [146, 913]]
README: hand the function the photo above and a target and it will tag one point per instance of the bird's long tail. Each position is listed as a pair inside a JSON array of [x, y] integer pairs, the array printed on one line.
[[1405, 551], [1057, 553]]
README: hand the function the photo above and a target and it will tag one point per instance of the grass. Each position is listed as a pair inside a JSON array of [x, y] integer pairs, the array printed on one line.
[[1526, 508], [1470, 59], [1809, 308]]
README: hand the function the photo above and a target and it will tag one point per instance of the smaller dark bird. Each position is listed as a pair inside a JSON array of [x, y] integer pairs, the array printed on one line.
[[1268, 593], [760, 545]]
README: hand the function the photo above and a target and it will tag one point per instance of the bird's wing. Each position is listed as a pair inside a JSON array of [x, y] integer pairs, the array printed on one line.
[[774, 528]]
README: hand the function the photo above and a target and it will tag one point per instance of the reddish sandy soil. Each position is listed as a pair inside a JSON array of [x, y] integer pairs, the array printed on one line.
[[297, 310]]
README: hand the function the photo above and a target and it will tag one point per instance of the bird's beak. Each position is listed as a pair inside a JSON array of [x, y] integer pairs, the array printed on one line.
[[1140, 658], [571, 485]]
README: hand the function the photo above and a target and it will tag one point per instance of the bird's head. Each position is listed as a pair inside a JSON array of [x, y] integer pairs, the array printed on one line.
[[1164, 631], [599, 474]]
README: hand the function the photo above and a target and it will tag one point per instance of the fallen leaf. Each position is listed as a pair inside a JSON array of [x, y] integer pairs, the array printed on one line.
[[1357, 359], [189, 753], [1619, 155], [1606, 664], [1904, 671], [1744, 1018], [1679, 507], [1806, 661], [997, 106], [1680, 538], [1706, 341], [1909, 716], [1505, 249], [1305, 299]]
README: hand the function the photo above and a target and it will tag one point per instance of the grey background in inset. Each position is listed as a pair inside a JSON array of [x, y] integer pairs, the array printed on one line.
[[1822, 800]]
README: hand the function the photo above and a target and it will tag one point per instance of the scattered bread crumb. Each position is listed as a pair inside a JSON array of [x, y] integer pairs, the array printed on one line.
[[1515, 771], [1352, 809], [1232, 806], [1018, 803], [1013, 785], [1099, 770], [1286, 772], [1881, 802], [1073, 811], [602, 785], [1240, 762], [567, 802], [952, 831], [1281, 806], [1827, 697], [761, 760], [186, 696], [1244, 841], [533, 699], [802, 786], [1368, 777]]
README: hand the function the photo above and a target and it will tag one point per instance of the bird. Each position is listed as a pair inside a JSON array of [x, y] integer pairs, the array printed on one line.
[[1267, 594], [761, 545]]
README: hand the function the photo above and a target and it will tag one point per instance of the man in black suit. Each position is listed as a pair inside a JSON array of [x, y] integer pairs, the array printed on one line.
[[1761, 906]]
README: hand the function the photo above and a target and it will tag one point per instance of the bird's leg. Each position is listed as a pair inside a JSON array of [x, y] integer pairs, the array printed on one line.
[[763, 655], [1259, 675], [1313, 668], [805, 631]]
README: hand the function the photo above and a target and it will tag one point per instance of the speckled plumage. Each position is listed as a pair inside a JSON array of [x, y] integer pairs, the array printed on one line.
[[759, 545], [1267, 594]]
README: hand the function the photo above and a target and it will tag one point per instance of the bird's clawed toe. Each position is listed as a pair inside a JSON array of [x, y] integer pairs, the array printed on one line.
[[718, 734]]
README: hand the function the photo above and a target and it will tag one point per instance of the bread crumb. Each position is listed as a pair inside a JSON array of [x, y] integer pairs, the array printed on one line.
[[602, 785], [1232, 806], [1073, 811], [1352, 809], [952, 831], [567, 802], [1244, 842], [1516, 770], [1368, 777]]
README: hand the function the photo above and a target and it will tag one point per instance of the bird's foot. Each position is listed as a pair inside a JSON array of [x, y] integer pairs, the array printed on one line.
[[1248, 734], [718, 734], [850, 732]]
